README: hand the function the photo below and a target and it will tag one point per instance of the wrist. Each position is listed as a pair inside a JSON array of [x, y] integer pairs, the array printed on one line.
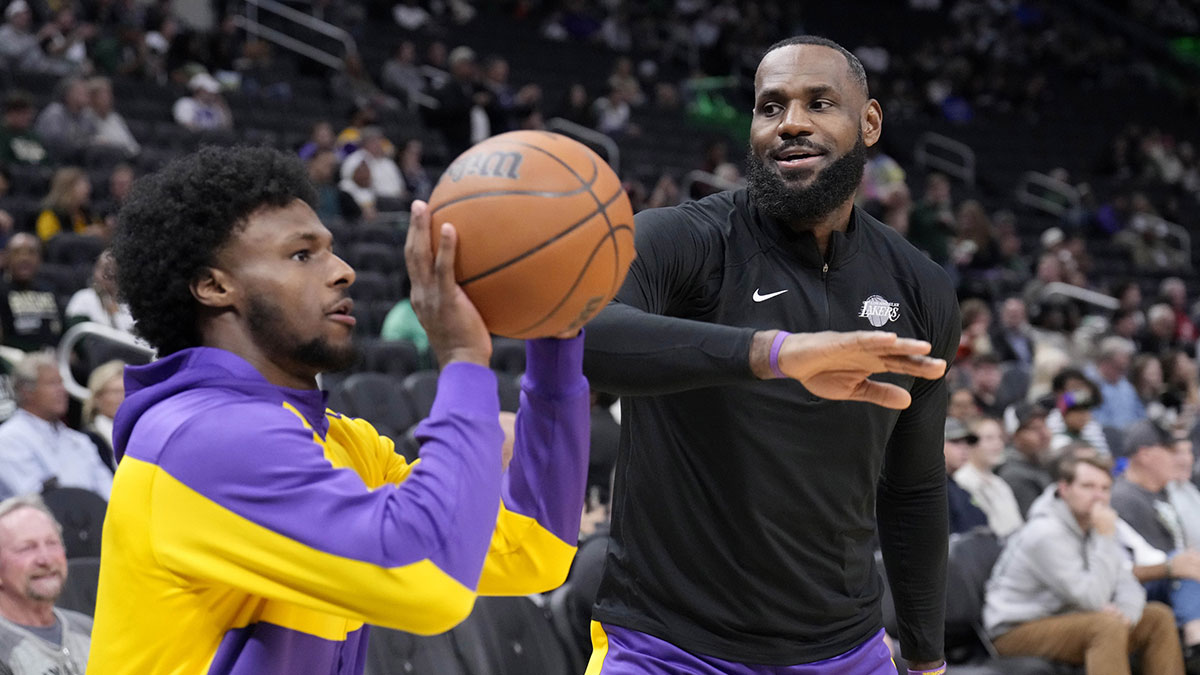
[[932, 668], [760, 354], [1170, 572]]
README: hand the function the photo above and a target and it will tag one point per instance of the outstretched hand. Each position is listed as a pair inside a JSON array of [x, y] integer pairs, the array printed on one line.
[[456, 330], [837, 366]]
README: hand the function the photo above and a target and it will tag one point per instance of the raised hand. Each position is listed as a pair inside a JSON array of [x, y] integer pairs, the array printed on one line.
[[837, 365], [455, 329]]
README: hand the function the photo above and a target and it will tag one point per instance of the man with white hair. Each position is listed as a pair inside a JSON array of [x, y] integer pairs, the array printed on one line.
[[205, 109], [36, 448], [35, 636], [1120, 404]]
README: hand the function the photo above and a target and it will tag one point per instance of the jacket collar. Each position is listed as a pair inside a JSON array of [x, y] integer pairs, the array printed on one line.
[[802, 246]]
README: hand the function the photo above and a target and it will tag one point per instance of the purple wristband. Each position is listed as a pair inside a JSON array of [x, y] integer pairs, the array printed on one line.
[[940, 670], [775, 346]]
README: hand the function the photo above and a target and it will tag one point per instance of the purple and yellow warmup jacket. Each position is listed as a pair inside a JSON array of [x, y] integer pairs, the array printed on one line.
[[252, 531]]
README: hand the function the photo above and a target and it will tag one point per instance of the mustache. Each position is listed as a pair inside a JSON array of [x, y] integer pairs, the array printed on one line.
[[799, 144]]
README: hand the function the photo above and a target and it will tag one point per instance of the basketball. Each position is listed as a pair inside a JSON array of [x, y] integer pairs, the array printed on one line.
[[545, 231]]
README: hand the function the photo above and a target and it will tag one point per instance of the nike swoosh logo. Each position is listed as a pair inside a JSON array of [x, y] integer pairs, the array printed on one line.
[[758, 297]]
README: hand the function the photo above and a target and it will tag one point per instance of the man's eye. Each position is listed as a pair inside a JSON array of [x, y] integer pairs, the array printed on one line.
[[301, 256], [770, 108]]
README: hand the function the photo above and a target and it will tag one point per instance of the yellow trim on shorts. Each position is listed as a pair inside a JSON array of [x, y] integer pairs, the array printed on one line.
[[599, 649]]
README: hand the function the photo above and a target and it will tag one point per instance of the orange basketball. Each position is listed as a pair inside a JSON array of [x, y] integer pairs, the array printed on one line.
[[545, 231]]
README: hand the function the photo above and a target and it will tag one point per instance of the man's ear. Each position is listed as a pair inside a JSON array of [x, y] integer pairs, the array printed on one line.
[[872, 123], [213, 288]]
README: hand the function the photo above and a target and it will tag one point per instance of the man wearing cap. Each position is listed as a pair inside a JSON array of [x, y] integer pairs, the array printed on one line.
[[457, 100], [386, 180], [204, 109], [964, 514], [1024, 468], [18, 142], [1062, 589], [1140, 498]]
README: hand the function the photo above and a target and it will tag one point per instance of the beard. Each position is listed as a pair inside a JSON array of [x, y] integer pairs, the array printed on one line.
[[45, 589], [803, 206], [269, 327]]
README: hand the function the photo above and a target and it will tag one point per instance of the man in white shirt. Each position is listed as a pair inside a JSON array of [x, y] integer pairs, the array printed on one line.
[[36, 448], [990, 492], [386, 180], [111, 129]]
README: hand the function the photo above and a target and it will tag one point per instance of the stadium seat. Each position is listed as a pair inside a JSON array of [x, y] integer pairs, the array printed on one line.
[[517, 637], [398, 358], [422, 389], [370, 285], [509, 387], [393, 652], [378, 398], [375, 256], [81, 514], [73, 249], [79, 591], [508, 355]]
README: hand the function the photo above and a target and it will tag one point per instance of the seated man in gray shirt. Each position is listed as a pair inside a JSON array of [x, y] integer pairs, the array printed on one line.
[[1140, 499]]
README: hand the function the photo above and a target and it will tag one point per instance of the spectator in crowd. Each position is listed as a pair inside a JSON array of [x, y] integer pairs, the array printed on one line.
[[1126, 324], [386, 180], [67, 207], [965, 513], [1049, 270], [613, 114], [1173, 292], [412, 170], [1120, 404], [67, 125], [35, 636], [111, 129], [30, 318], [975, 338], [401, 74], [459, 99], [1146, 376], [98, 302], [356, 182], [1183, 384], [1024, 468], [66, 40], [985, 384], [349, 139], [1150, 245], [1062, 590], [106, 389], [577, 106], [931, 224], [320, 139], [411, 16], [401, 324], [19, 143], [962, 404], [1159, 335], [120, 182], [885, 191], [623, 78], [975, 249], [205, 109], [332, 201], [1012, 336], [1084, 395], [977, 476], [38, 449], [1182, 492], [1140, 497], [354, 83], [20, 45], [666, 192]]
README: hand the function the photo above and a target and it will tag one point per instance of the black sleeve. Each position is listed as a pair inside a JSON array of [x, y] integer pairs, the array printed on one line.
[[911, 502], [648, 341]]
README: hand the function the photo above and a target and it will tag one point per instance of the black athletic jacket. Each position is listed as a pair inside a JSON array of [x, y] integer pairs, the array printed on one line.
[[744, 510]]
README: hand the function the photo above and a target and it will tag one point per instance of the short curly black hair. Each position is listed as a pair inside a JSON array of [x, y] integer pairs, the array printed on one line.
[[177, 219]]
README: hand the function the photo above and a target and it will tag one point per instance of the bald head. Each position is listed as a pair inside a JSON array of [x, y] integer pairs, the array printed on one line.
[[858, 74]]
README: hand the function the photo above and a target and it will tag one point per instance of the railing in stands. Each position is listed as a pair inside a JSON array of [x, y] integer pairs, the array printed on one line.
[[88, 329], [1058, 288], [951, 157], [1046, 194], [588, 137], [251, 25], [707, 178]]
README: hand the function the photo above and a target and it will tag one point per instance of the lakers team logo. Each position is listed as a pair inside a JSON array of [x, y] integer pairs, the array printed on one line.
[[879, 311]]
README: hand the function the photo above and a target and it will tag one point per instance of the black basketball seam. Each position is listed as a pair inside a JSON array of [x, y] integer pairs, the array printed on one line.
[[582, 270], [504, 193], [604, 207], [574, 226]]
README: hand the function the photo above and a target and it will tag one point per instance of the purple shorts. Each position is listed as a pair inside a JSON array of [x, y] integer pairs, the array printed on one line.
[[621, 651]]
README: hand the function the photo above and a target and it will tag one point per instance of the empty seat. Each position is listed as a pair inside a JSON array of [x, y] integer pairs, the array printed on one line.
[[509, 389], [72, 249], [369, 285], [378, 398], [81, 514], [393, 652], [398, 358], [517, 636], [422, 389], [79, 591], [375, 256], [508, 355]]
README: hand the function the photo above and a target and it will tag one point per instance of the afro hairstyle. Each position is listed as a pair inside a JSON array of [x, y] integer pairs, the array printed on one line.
[[177, 219]]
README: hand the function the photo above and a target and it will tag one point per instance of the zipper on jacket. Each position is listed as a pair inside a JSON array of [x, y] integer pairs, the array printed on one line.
[[825, 287]]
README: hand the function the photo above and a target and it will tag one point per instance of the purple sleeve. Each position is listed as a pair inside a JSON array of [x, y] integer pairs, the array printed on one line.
[[548, 473]]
